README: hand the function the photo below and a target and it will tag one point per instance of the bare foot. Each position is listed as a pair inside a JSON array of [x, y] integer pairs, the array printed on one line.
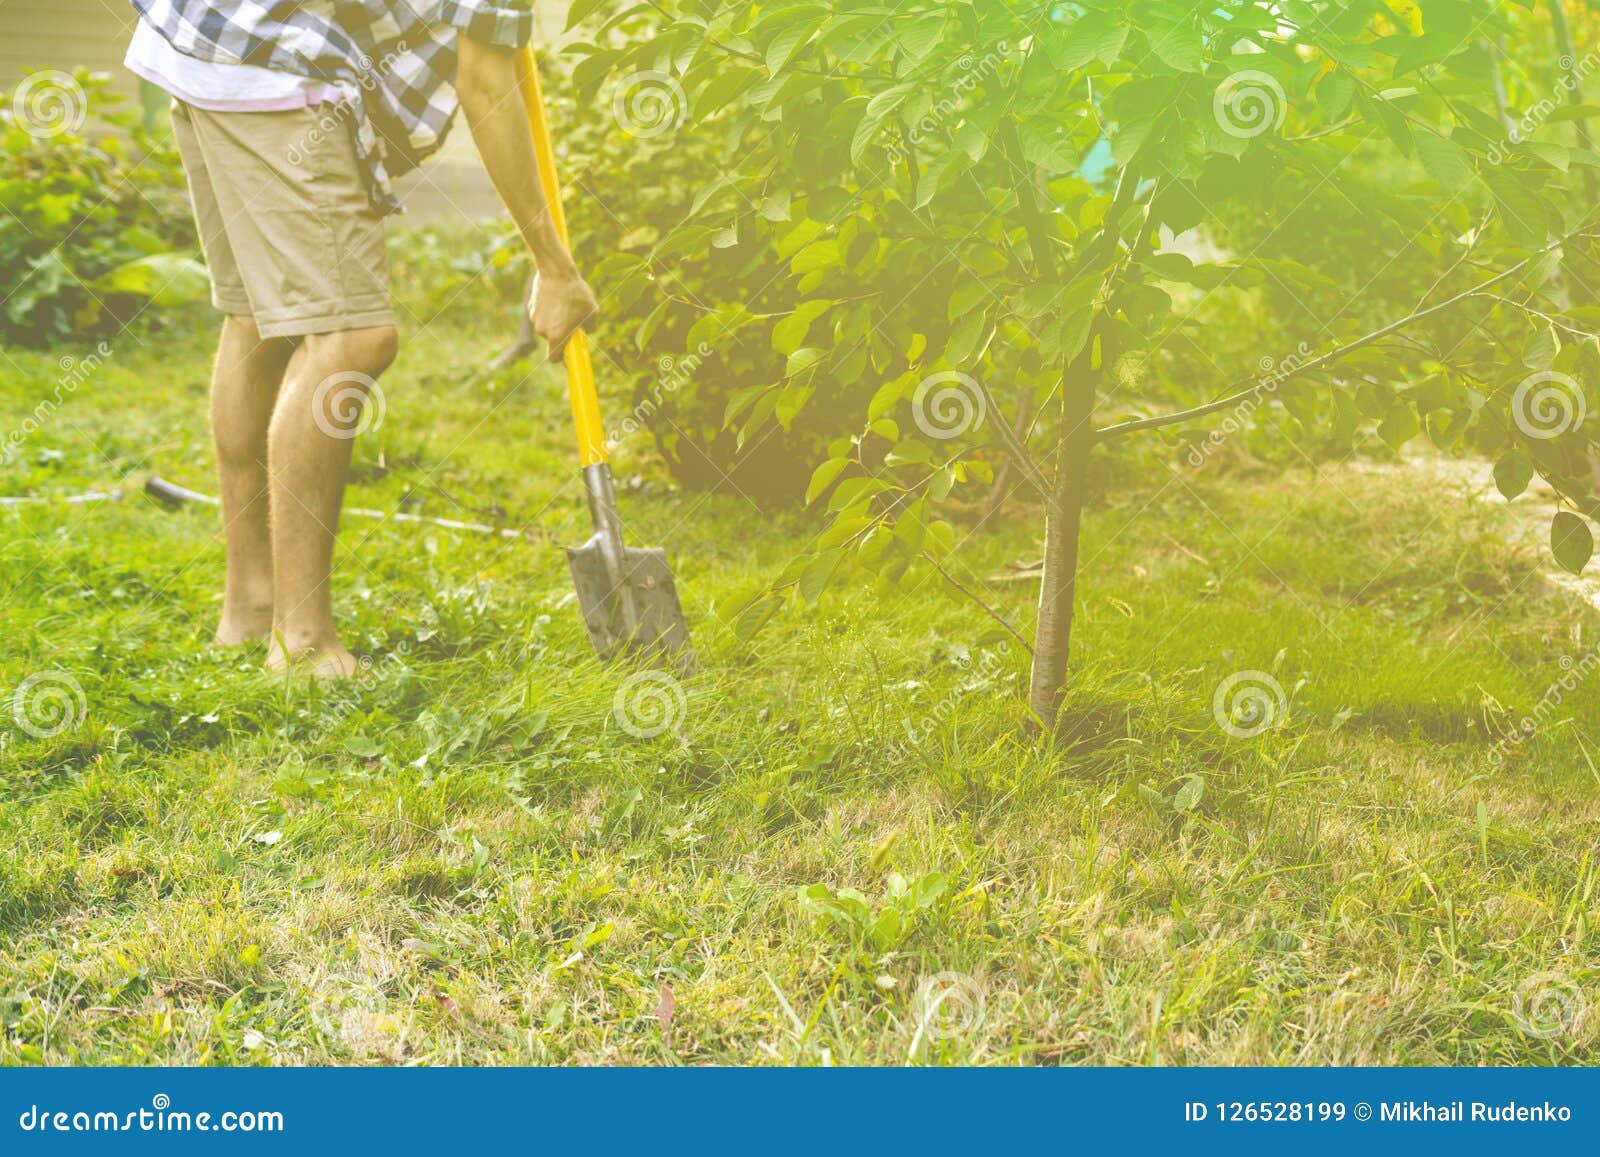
[[561, 305], [247, 626], [326, 661]]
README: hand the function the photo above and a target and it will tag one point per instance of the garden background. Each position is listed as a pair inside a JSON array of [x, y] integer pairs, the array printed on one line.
[[1318, 786]]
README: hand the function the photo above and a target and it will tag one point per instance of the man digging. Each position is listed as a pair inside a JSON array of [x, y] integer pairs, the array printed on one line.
[[291, 120]]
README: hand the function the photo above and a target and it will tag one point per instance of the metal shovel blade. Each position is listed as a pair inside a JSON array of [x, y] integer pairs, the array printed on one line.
[[640, 612]]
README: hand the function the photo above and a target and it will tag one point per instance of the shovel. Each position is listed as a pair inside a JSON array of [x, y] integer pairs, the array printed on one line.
[[626, 594]]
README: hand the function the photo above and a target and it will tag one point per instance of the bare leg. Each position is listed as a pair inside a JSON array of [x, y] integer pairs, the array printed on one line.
[[244, 386], [315, 421]]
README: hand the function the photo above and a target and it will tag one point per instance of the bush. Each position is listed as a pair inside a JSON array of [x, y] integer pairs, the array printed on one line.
[[670, 333], [96, 225], [679, 299], [782, 186], [447, 271]]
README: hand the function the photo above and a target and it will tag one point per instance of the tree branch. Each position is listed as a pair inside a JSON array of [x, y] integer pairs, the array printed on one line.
[[977, 598], [1580, 334], [1326, 359], [1013, 444]]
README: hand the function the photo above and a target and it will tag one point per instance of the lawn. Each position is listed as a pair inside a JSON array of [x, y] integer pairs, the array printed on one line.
[[833, 843]]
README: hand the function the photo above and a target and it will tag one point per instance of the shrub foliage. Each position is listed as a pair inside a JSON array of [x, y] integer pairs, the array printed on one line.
[[94, 222]]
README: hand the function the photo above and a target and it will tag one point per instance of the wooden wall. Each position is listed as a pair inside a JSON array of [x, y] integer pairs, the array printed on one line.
[[65, 34], [94, 33]]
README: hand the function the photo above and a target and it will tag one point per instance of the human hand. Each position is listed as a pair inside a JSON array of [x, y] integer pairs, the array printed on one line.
[[561, 305]]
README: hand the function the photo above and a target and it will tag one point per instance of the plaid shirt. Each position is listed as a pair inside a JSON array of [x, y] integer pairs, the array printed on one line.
[[394, 61]]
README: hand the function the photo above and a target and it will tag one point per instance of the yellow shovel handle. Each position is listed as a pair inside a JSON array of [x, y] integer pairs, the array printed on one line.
[[580, 370]]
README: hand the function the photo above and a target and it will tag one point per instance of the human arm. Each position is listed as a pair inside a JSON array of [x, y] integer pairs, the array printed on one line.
[[486, 81]]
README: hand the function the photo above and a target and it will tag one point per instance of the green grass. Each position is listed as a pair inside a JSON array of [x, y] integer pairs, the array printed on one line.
[[463, 858]]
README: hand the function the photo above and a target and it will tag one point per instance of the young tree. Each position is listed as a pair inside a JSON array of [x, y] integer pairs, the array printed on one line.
[[970, 205]]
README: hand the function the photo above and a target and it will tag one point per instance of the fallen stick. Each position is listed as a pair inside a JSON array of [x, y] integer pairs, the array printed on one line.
[[171, 494], [69, 499]]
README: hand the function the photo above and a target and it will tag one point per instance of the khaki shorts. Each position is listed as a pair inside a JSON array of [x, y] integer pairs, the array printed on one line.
[[288, 232]]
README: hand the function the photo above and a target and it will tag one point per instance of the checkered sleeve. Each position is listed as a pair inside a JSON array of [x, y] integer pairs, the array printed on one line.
[[507, 23]]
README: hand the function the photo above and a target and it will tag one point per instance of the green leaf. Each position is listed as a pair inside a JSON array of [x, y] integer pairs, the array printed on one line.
[[1400, 426], [776, 206], [1542, 348], [591, 72], [1075, 328], [803, 359], [922, 35], [165, 278], [1513, 472], [787, 43], [887, 931], [1446, 162], [721, 90], [926, 890], [804, 233], [818, 255], [1391, 120], [1047, 143], [823, 477], [1521, 208], [814, 579], [1179, 45], [968, 338], [1570, 541], [581, 10], [1137, 117], [1093, 36], [757, 615], [1188, 797], [791, 401], [908, 450], [1336, 93], [789, 333]]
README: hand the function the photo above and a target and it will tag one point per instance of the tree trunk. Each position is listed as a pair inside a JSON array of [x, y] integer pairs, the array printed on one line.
[[1063, 517], [1064, 512]]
